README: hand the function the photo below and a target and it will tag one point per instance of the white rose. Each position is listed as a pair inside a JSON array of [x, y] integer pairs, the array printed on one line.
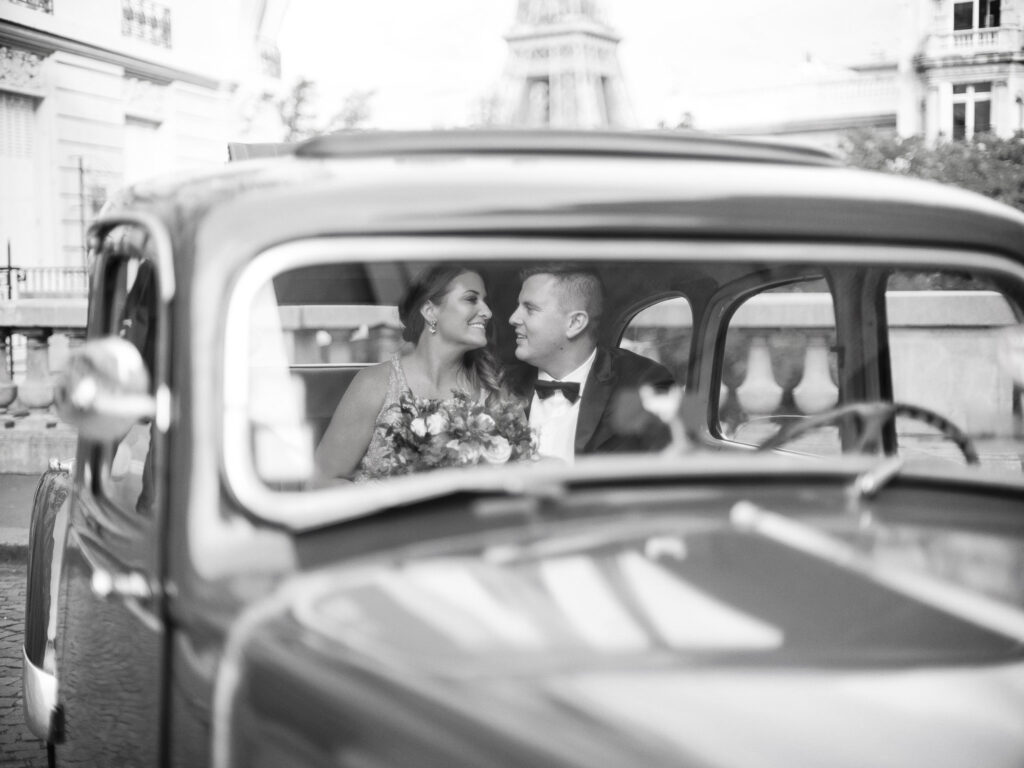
[[436, 423], [418, 427], [498, 451]]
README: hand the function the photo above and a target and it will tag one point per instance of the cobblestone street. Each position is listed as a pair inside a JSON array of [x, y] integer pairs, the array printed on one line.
[[18, 748]]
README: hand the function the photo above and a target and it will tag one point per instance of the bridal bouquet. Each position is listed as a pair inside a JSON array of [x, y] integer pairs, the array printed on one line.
[[455, 432]]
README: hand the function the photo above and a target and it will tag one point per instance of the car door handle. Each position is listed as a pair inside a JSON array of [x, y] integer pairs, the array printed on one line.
[[131, 584]]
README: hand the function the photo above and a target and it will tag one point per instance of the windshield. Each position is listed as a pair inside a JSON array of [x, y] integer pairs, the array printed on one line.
[[349, 368]]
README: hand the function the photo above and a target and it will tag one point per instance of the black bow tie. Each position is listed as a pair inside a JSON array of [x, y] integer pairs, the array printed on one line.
[[570, 389]]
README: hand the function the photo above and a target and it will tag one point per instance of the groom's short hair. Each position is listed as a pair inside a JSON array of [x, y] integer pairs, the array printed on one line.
[[580, 287]]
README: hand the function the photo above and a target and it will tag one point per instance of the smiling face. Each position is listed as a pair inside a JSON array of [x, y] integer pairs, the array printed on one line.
[[543, 324], [462, 314]]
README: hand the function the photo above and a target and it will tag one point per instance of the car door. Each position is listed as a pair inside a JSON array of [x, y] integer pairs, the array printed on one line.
[[110, 635]]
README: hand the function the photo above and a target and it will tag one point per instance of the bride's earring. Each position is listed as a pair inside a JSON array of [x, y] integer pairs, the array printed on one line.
[[433, 326]]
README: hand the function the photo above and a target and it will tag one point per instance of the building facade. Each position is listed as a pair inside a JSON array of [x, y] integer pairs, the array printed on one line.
[[96, 94], [958, 72], [970, 69]]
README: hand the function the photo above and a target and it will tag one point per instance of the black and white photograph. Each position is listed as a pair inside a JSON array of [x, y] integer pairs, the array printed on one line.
[[511, 384]]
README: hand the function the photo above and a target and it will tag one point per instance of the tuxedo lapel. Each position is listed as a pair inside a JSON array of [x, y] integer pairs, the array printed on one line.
[[596, 393]]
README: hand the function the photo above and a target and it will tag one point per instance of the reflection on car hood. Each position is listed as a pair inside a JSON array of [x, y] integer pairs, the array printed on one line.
[[701, 641]]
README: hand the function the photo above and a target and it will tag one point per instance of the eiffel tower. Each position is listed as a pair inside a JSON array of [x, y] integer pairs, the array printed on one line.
[[563, 68]]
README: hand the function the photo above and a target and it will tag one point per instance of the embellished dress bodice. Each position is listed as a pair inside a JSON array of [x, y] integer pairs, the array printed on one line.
[[377, 458]]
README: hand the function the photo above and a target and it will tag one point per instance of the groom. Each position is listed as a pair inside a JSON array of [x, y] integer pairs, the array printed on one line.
[[576, 387]]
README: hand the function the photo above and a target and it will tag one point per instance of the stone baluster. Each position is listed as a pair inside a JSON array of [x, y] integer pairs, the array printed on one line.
[[305, 346], [36, 391], [816, 391], [759, 394], [8, 389]]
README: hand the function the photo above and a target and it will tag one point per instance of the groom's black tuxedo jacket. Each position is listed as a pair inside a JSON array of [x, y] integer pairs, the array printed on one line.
[[611, 419]]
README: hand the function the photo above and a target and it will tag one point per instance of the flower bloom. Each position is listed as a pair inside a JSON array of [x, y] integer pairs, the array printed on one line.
[[497, 451], [437, 423], [418, 427], [484, 423]]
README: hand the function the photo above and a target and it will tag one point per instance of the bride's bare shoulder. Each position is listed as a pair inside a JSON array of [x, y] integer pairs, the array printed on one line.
[[374, 374], [368, 386]]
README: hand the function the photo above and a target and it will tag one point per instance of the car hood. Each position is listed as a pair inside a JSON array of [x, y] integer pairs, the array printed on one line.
[[703, 643]]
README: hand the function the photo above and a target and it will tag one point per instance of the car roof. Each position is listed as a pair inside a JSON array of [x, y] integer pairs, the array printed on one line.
[[663, 143], [670, 183]]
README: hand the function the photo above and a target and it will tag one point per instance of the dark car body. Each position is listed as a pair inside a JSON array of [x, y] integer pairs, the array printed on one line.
[[196, 598]]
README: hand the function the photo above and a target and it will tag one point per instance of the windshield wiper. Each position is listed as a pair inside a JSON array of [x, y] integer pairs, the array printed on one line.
[[868, 483]]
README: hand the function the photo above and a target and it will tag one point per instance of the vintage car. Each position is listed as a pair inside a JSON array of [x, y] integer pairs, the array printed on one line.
[[824, 565]]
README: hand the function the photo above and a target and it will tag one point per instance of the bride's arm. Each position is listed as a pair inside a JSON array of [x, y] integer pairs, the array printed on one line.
[[348, 435]]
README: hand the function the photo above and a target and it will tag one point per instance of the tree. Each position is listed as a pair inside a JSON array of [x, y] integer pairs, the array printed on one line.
[[299, 117], [354, 113], [296, 110], [987, 164]]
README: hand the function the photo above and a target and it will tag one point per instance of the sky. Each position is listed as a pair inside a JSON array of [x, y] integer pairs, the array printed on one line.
[[430, 63]]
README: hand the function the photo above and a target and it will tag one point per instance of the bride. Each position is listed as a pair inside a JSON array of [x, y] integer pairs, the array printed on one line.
[[445, 314]]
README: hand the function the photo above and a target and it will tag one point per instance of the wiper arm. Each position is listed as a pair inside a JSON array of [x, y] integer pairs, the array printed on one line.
[[868, 483]]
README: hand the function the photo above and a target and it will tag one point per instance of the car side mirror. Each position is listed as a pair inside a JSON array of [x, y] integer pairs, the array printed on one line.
[[105, 389]]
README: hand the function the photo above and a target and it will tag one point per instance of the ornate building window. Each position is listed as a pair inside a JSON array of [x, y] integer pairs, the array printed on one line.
[[976, 14], [146, 20], [20, 187], [46, 6], [972, 109]]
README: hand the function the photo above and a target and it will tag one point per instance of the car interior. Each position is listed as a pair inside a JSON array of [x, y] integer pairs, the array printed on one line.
[[758, 342]]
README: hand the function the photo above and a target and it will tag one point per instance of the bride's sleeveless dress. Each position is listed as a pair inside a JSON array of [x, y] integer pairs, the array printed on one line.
[[376, 461]]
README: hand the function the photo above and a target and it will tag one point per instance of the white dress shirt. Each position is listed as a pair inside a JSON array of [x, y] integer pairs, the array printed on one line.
[[554, 418]]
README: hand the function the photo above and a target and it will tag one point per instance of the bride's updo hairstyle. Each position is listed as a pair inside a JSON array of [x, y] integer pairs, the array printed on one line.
[[433, 285]]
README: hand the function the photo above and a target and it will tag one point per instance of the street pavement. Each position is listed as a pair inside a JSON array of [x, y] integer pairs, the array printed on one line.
[[16, 492], [18, 747]]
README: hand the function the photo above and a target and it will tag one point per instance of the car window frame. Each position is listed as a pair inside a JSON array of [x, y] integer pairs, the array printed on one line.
[[302, 510]]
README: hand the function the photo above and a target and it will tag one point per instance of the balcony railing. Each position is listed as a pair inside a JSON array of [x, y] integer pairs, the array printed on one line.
[[46, 6], [147, 21], [969, 41], [43, 282]]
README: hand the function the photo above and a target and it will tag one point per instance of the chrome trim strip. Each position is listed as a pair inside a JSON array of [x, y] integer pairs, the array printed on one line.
[[967, 604], [40, 698]]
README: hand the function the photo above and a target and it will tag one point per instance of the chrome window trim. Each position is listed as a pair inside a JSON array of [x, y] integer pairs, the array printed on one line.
[[301, 509]]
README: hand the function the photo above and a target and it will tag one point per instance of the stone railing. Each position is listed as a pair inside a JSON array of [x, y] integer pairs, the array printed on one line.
[[43, 282], [967, 41], [35, 337], [780, 356], [46, 6]]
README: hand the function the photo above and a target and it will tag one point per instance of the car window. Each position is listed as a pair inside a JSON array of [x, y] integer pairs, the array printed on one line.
[[130, 311], [779, 365], [320, 343], [662, 332], [944, 334]]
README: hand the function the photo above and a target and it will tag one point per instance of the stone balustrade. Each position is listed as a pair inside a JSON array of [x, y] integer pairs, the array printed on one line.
[[964, 41], [36, 335], [779, 353], [35, 338], [780, 356]]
